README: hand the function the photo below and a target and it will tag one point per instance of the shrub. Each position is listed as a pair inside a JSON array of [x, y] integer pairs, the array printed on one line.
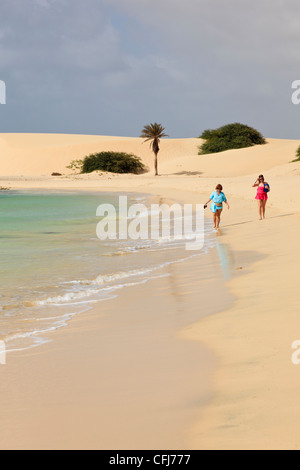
[[230, 136], [115, 162], [75, 165], [297, 159], [206, 134]]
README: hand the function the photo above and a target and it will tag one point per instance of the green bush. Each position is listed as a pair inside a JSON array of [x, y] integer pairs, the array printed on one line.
[[206, 134], [230, 136], [297, 159], [114, 162], [75, 165]]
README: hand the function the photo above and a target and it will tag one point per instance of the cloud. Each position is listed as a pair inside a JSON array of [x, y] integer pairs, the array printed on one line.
[[111, 65], [246, 30]]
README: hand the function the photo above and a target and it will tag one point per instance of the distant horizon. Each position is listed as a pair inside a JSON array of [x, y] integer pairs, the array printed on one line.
[[124, 136]]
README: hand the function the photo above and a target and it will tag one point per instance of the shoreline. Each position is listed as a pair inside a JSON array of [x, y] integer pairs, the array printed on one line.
[[105, 354], [183, 362], [107, 267]]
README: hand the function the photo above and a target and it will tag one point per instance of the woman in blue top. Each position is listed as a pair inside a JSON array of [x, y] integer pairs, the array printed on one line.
[[217, 198]]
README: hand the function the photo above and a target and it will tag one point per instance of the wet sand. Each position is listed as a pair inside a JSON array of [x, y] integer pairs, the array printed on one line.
[[120, 376]]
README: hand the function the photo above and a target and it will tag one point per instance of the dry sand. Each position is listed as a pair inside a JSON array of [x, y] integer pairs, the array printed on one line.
[[51, 398]]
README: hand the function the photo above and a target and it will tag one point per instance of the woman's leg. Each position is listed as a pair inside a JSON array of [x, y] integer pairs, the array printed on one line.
[[218, 213], [260, 208], [264, 209], [215, 219]]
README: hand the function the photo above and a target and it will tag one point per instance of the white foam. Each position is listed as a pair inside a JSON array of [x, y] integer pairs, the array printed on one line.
[[64, 299]]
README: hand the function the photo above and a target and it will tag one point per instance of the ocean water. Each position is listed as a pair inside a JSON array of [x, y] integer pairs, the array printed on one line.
[[53, 265]]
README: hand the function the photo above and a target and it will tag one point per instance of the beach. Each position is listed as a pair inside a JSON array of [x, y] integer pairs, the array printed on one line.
[[207, 363]]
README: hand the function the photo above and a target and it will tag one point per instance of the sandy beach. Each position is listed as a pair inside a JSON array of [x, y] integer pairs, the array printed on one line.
[[87, 388]]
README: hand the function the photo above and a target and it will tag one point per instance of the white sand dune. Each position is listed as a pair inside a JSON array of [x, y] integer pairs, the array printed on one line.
[[43, 154], [28, 160]]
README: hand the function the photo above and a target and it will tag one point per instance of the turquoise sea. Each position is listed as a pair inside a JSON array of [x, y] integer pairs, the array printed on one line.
[[53, 266]]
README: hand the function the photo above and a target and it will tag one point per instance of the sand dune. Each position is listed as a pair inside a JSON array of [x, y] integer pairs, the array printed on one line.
[[234, 162], [42, 154], [28, 160]]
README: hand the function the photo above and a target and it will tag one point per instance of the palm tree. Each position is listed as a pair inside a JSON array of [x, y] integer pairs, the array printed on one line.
[[153, 133]]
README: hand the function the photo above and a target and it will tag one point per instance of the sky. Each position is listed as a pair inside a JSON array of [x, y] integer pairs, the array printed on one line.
[[109, 67]]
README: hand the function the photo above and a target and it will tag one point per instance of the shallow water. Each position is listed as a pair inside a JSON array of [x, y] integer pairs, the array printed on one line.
[[53, 266]]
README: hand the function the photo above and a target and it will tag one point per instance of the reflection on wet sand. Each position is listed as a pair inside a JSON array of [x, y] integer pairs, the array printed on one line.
[[226, 258]]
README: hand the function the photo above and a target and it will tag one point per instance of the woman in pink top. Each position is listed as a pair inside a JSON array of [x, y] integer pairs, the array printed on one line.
[[262, 195]]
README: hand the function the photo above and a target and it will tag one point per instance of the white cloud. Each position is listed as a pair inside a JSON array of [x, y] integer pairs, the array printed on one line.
[[194, 64]]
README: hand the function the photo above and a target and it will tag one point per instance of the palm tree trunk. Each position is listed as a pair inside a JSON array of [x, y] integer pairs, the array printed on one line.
[[156, 163]]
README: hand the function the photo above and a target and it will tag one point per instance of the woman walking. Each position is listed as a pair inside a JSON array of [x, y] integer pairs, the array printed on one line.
[[217, 198], [262, 195]]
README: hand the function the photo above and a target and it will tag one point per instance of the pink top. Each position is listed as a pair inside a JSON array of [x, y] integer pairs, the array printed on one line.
[[261, 194]]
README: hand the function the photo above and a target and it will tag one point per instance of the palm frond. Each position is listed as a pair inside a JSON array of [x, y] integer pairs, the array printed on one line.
[[153, 131]]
